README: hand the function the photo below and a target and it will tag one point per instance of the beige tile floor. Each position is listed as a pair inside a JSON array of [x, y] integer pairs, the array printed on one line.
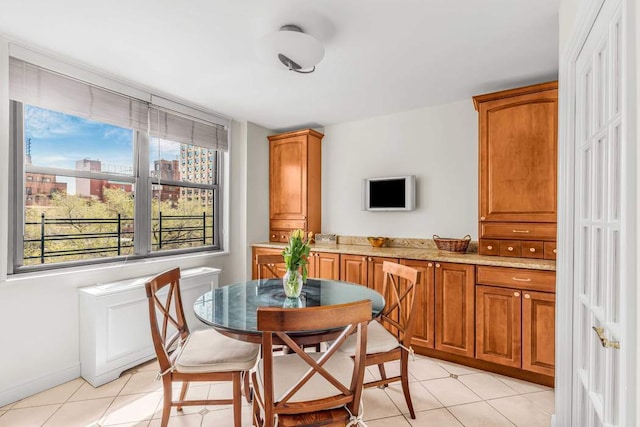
[[444, 394]]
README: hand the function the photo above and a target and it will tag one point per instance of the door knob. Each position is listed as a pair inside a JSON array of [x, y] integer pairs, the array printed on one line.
[[516, 294], [510, 248], [490, 247], [532, 249]]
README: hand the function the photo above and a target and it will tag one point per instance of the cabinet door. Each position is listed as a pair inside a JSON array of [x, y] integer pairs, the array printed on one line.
[[280, 269], [375, 275], [288, 178], [455, 322], [538, 332], [323, 265], [518, 156], [424, 317], [353, 268], [498, 325]]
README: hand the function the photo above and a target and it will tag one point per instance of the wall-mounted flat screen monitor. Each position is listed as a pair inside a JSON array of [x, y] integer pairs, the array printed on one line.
[[389, 193]]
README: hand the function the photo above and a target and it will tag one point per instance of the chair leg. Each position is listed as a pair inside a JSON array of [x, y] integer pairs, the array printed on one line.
[[383, 374], [183, 393], [166, 400], [237, 400], [246, 386], [404, 378]]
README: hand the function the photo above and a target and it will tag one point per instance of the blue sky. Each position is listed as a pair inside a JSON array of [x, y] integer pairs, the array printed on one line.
[[59, 140]]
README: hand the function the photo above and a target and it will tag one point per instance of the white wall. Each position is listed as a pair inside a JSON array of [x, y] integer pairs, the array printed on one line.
[[568, 13], [39, 313], [439, 145]]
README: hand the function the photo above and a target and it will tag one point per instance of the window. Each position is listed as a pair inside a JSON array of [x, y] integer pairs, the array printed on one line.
[[103, 174]]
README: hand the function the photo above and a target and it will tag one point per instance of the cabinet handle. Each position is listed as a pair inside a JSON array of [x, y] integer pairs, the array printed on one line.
[[283, 236], [520, 231], [516, 294], [430, 264], [490, 247], [521, 280], [532, 249], [364, 259], [273, 236], [527, 296], [369, 259], [510, 248], [482, 218], [554, 251], [437, 265]]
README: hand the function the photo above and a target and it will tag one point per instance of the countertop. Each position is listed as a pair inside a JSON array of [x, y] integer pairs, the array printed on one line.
[[425, 254]]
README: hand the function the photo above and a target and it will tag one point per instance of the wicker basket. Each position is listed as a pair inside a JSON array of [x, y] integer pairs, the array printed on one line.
[[452, 245]]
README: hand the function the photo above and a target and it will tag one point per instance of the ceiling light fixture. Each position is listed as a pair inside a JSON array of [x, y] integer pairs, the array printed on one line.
[[292, 48]]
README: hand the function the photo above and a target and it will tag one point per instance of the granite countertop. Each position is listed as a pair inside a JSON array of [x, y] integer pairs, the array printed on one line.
[[425, 253]]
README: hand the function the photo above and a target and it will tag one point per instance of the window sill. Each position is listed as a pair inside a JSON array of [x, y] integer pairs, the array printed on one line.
[[101, 268]]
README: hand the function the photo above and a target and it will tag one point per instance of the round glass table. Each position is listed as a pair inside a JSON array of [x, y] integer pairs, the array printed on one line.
[[232, 309]]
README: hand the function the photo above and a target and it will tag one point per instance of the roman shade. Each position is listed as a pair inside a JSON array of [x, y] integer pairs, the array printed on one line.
[[174, 126]]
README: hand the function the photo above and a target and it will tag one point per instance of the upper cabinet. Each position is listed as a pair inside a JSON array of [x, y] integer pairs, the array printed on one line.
[[294, 183], [518, 169]]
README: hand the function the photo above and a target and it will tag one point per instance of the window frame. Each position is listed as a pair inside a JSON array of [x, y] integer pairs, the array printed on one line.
[[141, 179]]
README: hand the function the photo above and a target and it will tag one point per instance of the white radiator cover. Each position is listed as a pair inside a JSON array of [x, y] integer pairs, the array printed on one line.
[[114, 322]]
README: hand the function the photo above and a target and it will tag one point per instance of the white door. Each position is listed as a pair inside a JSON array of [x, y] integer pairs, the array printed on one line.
[[603, 211]]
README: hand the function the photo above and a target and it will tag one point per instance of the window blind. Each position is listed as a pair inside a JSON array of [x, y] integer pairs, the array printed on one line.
[[177, 127], [37, 86]]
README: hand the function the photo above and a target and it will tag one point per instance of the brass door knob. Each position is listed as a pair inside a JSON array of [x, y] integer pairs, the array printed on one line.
[[490, 247], [527, 296], [437, 265], [430, 264], [532, 249], [510, 248], [516, 294]]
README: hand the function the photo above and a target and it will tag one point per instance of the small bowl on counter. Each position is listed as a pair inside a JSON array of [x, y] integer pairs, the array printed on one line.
[[377, 242]]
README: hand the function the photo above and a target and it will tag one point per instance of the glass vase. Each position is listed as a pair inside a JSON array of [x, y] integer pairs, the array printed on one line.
[[292, 283]]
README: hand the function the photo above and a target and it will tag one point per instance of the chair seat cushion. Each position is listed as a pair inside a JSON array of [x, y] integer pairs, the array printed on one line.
[[289, 368], [209, 351], [379, 340]]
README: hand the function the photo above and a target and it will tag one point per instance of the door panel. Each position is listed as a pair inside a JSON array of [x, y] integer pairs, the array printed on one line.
[[455, 307], [288, 178], [375, 275], [353, 268], [424, 315], [498, 325], [538, 332], [326, 265]]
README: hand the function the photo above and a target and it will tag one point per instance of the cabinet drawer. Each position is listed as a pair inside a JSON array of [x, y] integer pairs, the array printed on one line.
[[279, 235], [510, 248], [489, 247], [288, 224], [518, 230], [532, 249], [517, 278], [550, 250]]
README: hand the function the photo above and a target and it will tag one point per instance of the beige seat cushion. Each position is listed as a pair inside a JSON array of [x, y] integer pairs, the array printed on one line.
[[209, 351], [289, 368], [379, 340]]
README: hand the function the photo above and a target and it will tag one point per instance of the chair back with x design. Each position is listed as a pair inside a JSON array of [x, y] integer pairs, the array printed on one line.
[[269, 264], [302, 383], [398, 289]]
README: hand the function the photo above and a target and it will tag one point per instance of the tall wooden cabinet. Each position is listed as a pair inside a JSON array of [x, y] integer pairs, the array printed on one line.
[[518, 171], [294, 183]]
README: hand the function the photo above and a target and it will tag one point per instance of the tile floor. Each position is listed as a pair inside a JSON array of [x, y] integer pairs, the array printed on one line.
[[444, 394]]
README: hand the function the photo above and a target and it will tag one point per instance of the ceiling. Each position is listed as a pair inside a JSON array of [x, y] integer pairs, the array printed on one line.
[[381, 56]]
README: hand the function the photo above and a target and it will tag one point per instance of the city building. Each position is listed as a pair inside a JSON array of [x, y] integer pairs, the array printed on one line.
[[197, 165]]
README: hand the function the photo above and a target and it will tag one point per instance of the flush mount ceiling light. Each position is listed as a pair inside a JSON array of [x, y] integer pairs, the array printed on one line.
[[292, 48]]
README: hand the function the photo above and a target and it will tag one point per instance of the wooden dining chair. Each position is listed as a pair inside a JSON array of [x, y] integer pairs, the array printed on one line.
[[390, 334], [269, 263], [310, 389], [203, 355]]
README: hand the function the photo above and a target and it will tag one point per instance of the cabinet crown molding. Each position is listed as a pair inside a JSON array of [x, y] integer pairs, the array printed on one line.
[[300, 132], [478, 99]]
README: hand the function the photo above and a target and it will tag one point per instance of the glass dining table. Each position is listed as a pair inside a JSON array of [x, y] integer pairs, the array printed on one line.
[[232, 309]]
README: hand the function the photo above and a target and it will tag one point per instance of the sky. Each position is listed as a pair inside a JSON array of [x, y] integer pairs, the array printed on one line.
[[59, 140]]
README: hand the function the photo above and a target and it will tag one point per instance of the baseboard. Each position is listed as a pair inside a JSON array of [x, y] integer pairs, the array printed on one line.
[[31, 387]]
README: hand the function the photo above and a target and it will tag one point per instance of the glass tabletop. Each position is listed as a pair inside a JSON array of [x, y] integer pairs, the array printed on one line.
[[234, 307]]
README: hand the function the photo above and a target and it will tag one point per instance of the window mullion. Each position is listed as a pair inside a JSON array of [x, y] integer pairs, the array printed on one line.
[[142, 227]]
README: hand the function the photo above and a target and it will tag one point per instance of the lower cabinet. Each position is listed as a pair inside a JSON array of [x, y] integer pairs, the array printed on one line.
[[424, 327], [455, 308], [324, 265], [516, 328], [364, 270]]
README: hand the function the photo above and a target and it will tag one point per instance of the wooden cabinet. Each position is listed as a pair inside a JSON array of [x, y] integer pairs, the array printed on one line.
[[424, 329], [324, 265], [538, 332], [455, 308], [518, 168], [294, 183], [516, 326], [364, 270]]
